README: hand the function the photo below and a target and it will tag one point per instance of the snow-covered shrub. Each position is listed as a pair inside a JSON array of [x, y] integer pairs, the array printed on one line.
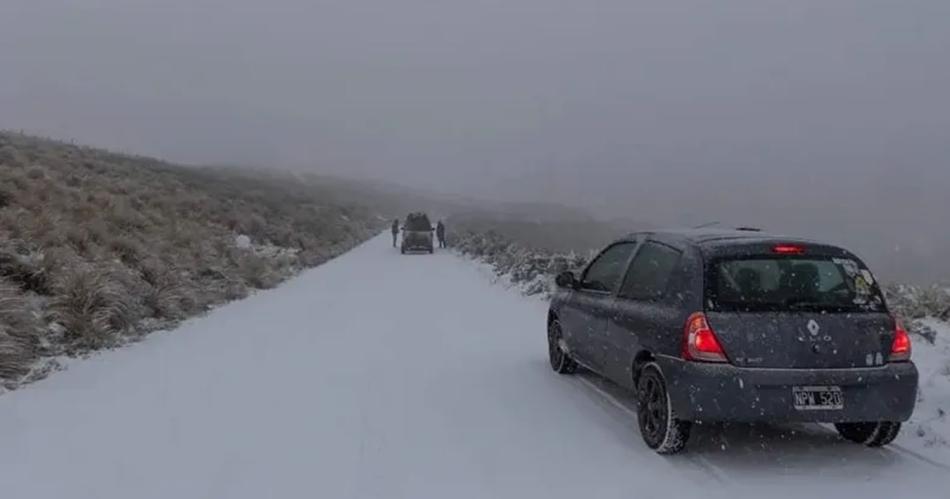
[[31, 269], [35, 173], [92, 307], [166, 296], [19, 328], [530, 270], [255, 271], [127, 249], [6, 197], [917, 302], [242, 241]]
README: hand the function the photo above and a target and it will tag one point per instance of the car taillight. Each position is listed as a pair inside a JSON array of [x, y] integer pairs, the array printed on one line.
[[900, 347], [700, 342]]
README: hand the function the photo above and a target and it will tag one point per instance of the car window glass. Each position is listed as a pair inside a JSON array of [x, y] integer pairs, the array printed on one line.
[[418, 223], [767, 283], [830, 277], [605, 272], [650, 272]]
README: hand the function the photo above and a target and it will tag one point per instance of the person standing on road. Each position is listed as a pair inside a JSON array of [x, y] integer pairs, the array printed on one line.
[[440, 233], [395, 230]]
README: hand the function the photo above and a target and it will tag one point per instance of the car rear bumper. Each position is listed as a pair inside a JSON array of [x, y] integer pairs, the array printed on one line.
[[417, 247], [413, 241], [718, 392]]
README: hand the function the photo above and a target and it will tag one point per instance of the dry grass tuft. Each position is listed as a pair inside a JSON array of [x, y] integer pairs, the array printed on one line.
[[19, 330], [93, 308]]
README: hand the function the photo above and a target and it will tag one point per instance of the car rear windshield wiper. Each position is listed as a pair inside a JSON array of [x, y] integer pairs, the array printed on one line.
[[802, 303]]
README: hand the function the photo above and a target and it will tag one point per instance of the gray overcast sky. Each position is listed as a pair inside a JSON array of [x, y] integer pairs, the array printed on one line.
[[675, 111]]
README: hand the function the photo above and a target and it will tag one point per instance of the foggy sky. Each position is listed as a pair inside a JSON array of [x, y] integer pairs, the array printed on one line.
[[755, 111]]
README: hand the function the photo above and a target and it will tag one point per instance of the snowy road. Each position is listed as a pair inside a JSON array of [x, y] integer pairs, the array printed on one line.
[[387, 376]]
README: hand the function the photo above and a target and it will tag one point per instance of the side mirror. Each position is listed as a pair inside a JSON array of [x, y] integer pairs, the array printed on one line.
[[566, 279]]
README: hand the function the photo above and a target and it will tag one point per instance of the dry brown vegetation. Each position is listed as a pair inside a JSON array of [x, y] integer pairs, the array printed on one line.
[[97, 247]]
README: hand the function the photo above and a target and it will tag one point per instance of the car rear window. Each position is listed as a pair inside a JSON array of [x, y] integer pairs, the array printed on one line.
[[791, 283], [418, 223]]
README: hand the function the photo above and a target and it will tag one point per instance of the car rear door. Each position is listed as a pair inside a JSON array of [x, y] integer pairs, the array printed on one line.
[[584, 314], [643, 313]]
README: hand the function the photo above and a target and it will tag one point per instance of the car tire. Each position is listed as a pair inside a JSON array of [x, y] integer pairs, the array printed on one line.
[[561, 362], [871, 434], [660, 429]]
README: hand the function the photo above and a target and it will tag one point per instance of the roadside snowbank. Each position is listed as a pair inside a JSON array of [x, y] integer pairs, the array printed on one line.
[[928, 431], [528, 270]]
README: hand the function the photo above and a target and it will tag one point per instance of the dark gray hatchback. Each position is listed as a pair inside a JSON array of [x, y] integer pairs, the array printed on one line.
[[736, 326]]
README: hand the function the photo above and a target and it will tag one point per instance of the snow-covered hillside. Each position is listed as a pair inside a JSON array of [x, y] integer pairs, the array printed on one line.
[[99, 248], [378, 375]]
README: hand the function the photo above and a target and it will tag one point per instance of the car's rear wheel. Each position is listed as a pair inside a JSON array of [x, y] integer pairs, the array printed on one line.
[[561, 362], [871, 434], [659, 426]]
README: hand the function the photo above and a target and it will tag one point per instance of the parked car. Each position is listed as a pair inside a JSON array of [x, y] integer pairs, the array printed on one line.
[[736, 326], [417, 233]]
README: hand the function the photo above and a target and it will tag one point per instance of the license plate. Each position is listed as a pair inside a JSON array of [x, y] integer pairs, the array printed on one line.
[[811, 398]]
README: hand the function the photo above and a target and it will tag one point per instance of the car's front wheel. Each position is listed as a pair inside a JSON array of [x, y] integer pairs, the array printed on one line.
[[871, 434], [561, 362], [659, 426]]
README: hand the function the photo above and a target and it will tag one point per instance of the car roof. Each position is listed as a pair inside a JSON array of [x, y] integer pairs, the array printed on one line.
[[725, 241], [712, 238], [707, 236]]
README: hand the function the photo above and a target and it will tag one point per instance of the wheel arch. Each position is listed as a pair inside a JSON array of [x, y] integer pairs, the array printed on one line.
[[642, 358]]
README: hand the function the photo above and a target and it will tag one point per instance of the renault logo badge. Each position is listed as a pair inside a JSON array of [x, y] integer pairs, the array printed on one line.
[[813, 327]]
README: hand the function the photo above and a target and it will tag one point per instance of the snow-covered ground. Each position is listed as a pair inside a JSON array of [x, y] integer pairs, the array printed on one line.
[[385, 376], [928, 432]]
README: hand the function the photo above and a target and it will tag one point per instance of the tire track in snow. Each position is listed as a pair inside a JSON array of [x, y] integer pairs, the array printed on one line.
[[893, 447], [907, 452], [899, 449], [699, 461], [703, 463]]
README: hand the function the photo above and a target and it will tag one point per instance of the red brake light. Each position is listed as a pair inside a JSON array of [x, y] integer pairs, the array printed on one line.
[[700, 342], [900, 347], [788, 249]]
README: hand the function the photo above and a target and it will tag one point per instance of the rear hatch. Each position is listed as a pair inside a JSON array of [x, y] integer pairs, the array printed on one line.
[[796, 306], [415, 237]]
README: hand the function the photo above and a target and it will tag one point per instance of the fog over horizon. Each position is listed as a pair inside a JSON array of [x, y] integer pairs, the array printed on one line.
[[825, 118]]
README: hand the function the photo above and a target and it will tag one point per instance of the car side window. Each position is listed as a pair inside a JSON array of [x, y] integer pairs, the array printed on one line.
[[650, 272], [605, 272]]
